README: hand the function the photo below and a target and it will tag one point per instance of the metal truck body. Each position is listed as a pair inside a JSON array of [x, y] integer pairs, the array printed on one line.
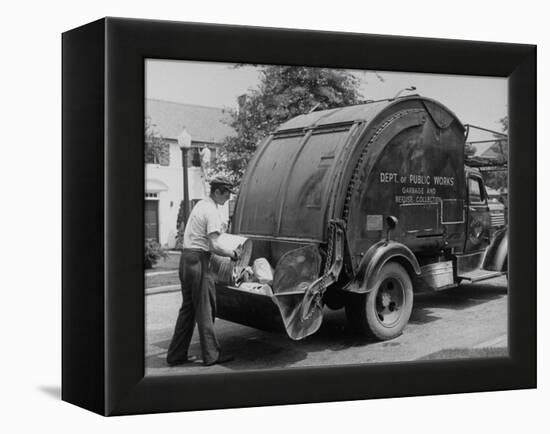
[[360, 207]]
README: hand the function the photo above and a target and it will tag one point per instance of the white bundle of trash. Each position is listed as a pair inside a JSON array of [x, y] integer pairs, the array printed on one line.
[[260, 272], [256, 278]]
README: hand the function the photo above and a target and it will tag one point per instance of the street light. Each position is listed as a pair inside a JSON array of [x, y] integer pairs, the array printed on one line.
[[184, 142]]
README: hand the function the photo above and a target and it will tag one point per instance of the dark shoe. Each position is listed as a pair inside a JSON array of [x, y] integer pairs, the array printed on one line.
[[221, 359], [190, 359]]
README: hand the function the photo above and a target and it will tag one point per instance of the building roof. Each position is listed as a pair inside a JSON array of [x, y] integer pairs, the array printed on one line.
[[204, 124], [481, 148], [485, 150]]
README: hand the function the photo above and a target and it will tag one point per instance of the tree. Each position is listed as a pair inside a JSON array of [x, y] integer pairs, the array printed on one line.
[[499, 179], [153, 253], [469, 150], [155, 146], [283, 93], [180, 225]]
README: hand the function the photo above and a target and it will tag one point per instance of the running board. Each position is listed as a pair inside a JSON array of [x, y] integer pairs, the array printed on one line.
[[479, 275]]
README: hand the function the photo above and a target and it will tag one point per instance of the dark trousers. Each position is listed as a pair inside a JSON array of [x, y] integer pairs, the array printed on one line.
[[198, 305]]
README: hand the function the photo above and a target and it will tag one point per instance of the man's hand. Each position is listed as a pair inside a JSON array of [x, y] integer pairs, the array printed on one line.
[[217, 248], [237, 253]]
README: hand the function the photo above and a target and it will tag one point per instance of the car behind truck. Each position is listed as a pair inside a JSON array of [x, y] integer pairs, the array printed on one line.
[[360, 208]]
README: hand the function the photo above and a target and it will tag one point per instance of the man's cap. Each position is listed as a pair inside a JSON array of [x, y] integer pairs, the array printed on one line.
[[222, 181]]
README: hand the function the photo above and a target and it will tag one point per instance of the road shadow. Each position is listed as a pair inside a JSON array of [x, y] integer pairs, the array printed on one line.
[[459, 298], [336, 331], [266, 349], [481, 290], [423, 315], [158, 360], [256, 349]]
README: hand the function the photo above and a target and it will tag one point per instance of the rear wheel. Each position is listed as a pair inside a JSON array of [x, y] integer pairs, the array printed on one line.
[[384, 312]]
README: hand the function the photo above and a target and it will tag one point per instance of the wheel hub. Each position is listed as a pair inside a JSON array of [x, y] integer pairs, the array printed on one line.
[[389, 301], [385, 299]]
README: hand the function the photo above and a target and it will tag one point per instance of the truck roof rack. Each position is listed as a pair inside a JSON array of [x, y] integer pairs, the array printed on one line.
[[486, 163]]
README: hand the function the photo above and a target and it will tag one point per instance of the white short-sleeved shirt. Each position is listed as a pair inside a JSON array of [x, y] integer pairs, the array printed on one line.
[[205, 219]]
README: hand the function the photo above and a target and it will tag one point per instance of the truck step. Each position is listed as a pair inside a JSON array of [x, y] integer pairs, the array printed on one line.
[[479, 275]]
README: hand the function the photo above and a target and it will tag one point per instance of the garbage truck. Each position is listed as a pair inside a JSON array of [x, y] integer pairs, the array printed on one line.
[[359, 208]]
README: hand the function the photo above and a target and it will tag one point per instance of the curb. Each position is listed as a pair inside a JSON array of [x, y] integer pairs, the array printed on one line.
[[162, 289], [160, 273], [501, 341]]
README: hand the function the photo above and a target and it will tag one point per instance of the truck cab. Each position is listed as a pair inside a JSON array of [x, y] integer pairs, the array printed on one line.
[[478, 215]]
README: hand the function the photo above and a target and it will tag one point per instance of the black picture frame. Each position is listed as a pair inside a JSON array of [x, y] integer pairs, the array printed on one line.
[[103, 185]]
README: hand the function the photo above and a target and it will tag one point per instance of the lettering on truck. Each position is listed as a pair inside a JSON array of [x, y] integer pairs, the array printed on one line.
[[417, 194]]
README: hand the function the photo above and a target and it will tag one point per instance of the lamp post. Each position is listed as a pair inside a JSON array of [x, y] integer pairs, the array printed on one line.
[[184, 142]]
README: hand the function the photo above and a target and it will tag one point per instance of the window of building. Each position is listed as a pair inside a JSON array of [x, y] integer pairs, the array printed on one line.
[[195, 157]]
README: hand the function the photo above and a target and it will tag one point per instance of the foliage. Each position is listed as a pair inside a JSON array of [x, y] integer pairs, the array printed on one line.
[[283, 93], [181, 227], [469, 150], [153, 252], [154, 142], [499, 180]]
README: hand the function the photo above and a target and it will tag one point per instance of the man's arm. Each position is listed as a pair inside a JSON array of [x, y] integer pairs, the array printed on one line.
[[218, 249]]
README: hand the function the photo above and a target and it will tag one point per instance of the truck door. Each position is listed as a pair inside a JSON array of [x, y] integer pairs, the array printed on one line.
[[478, 216]]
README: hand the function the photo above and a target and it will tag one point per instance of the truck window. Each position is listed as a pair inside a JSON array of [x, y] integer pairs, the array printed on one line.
[[475, 190]]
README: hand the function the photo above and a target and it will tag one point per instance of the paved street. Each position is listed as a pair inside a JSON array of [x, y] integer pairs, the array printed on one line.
[[472, 316]]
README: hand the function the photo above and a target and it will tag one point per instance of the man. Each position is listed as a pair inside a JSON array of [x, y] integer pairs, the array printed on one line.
[[200, 239]]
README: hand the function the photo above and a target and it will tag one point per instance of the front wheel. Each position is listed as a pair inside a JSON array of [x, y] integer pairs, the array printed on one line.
[[383, 312]]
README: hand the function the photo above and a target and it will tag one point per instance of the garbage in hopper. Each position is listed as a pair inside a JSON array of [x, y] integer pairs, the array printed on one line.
[[262, 271], [255, 279], [246, 275]]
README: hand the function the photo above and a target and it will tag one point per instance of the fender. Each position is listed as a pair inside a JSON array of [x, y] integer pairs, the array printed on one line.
[[374, 260], [496, 255]]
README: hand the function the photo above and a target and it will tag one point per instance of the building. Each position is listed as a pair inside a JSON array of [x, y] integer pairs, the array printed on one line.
[[206, 128]]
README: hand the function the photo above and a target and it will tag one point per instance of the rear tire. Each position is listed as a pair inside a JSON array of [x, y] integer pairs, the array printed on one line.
[[384, 312]]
